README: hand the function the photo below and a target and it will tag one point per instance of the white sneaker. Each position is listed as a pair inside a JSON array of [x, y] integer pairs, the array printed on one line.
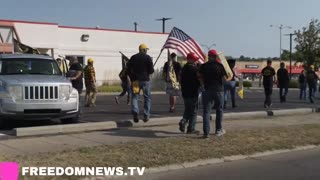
[[220, 132]]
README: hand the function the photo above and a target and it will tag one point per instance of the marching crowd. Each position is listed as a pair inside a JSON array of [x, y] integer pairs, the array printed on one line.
[[210, 80]]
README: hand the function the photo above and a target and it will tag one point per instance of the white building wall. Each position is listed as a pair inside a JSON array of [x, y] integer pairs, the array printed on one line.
[[103, 45]]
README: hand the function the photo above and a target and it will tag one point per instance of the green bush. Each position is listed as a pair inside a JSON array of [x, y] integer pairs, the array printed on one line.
[[109, 88], [294, 84], [247, 84]]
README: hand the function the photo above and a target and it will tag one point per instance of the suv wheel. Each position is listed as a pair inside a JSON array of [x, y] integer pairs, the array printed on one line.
[[2, 123]]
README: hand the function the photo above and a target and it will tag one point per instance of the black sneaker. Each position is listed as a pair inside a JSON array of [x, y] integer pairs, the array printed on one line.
[[146, 119], [182, 125], [205, 136], [135, 118], [193, 131]]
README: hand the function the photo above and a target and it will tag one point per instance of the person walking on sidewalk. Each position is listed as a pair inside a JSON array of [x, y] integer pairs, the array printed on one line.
[[126, 87], [140, 68], [190, 85], [171, 75], [302, 85], [230, 86], [312, 79], [283, 81], [90, 83], [268, 75], [212, 76]]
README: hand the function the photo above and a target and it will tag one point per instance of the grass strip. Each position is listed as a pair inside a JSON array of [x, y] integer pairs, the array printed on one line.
[[175, 150]]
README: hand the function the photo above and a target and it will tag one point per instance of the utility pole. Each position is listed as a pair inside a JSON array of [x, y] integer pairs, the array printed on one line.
[[280, 28], [135, 26], [290, 62], [163, 23]]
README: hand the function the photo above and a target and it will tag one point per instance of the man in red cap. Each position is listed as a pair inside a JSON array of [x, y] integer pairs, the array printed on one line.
[[212, 76], [190, 89]]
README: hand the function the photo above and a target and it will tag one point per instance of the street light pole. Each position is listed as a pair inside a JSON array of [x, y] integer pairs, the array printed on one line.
[[280, 28]]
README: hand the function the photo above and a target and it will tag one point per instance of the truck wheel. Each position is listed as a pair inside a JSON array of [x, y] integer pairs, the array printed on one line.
[[72, 120]]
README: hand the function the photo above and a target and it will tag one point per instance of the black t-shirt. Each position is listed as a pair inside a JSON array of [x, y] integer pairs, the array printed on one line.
[[176, 67], [213, 75], [77, 83], [189, 81], [302, 79], [140, 67], [311, 77], [283, 76], [268, 73]]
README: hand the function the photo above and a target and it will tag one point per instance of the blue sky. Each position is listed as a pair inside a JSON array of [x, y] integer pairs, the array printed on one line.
[[237, 27]]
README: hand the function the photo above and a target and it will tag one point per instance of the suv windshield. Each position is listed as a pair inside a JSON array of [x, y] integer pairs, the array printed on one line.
[[28, 66]]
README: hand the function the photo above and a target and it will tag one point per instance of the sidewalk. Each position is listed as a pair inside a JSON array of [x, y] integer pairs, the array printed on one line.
[[33, 145]]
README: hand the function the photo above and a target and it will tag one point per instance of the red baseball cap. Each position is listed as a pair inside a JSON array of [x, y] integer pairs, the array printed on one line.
[[192, 56], [212, 52]]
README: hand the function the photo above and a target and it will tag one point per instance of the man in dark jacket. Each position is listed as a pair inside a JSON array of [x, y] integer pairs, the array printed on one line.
[[140, 67], [190, 90], [283, 81], [312, 79]]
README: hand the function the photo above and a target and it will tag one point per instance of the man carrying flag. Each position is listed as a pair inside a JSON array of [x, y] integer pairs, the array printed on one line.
[[125, 81]]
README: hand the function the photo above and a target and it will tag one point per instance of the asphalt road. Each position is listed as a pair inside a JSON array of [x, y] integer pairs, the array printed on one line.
[[299, 165], [108, 110]]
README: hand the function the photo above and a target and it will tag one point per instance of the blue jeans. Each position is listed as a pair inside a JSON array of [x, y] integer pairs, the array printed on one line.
[[210, 97], [230, 86], [312, 90], [145, 86], [303, 93], [190, 112], [283, 91]]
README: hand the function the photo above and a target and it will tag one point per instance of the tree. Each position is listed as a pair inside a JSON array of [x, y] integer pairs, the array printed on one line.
[[308, 43]]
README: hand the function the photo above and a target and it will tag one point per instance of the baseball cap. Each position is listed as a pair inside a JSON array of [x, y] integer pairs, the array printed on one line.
[[192, 56], [143, 46], [212, 52]]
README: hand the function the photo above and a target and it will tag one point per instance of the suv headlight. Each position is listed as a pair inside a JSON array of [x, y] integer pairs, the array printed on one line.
[[15, 91], [65, 91]]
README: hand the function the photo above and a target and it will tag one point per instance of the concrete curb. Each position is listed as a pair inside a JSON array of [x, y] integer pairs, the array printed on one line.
[[224, 159], [227, 116], [293, 111], [66, 128]]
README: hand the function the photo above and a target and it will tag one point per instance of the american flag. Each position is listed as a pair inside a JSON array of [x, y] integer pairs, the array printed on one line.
[[184, 44]]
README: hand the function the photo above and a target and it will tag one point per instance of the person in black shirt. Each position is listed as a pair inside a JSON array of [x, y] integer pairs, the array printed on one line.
[[140, 67], [75, 74], [302, 85], [171, 75], [268, 74], [283, 81], [190, 90], [212, 76], [312, 79]]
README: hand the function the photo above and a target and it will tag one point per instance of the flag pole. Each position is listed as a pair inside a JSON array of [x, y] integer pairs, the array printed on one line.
[[158, 58]]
